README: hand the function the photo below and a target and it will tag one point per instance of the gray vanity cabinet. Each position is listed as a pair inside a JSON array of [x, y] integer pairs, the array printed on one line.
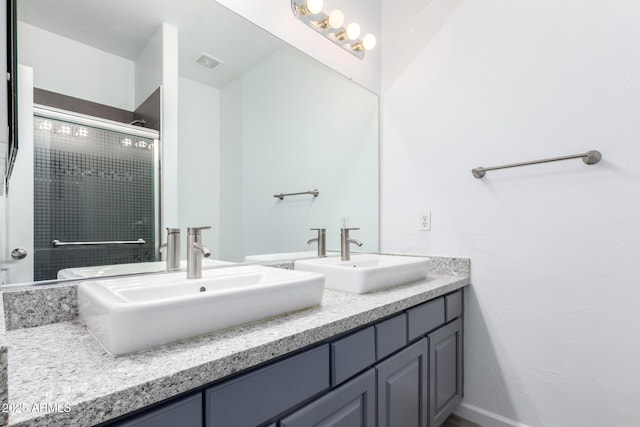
[[352, 354], [253, 398], [402, 384], [445, 371], [403, 371], [184, 412], [353, 404]]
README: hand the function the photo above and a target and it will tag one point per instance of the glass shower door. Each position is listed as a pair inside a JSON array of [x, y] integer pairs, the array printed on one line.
[[95, 195]]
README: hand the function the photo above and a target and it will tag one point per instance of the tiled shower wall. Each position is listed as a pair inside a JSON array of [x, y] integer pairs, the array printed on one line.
[[91, 185]]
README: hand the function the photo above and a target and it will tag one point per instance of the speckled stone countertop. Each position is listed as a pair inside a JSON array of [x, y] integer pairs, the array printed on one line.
[[60, 376], [4, 391], [30, 306]]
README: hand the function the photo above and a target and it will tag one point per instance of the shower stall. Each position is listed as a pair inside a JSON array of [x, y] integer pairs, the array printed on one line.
[[96, 192]]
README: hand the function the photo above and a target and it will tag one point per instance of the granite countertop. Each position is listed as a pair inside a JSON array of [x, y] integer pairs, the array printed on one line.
[[60, 376]]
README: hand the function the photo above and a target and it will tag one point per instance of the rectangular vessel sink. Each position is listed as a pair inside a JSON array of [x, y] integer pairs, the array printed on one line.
[[367, 272], [122, 269], [134, 313]]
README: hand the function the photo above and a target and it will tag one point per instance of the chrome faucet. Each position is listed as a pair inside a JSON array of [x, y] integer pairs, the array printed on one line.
[[172, 247], [322, 241], [195, 251], [345, 242]]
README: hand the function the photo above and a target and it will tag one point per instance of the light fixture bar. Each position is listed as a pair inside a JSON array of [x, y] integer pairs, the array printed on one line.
[[330, 26]]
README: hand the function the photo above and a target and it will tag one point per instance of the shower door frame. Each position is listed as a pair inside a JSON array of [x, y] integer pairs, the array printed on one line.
[[110, 125]]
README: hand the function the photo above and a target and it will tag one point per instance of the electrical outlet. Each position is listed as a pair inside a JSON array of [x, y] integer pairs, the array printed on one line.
[[425, 221]]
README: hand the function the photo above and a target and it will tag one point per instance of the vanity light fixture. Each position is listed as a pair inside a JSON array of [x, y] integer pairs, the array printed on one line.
[[331, 26], [308, 7], [334, 20], [368, 42]]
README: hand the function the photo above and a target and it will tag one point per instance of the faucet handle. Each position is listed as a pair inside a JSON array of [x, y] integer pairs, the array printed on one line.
[[197, 230], [354, 228]]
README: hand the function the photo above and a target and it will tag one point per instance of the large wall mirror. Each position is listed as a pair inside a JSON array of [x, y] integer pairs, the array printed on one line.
[[139, 115]]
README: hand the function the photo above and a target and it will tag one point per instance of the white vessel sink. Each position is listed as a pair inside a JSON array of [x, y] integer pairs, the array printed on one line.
[[367, 272], [134, 313], [122, 269]]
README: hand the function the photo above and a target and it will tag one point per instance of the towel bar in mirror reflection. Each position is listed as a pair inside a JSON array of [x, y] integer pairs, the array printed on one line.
[[281, 196]]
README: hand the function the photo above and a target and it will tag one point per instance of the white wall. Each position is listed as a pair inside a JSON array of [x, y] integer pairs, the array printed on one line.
[[552, 315], [278, 18], [231, 175], [148, 68], [66, 66], [324, 139], [19, 199], [199, 161], [169, 123], [293, 144]]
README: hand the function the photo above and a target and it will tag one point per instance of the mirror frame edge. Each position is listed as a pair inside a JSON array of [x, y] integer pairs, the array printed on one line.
[[12, 84]]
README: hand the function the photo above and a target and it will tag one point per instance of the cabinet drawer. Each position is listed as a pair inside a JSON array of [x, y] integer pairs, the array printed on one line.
[[185, 411], [425, 318], [352, 354], [391, 335], [454, 305], [253, 398], [351, 404]]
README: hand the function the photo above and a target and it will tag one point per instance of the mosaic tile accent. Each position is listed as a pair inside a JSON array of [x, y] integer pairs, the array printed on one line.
[[91, 184]]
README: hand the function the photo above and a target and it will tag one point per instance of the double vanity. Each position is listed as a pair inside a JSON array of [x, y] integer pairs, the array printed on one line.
[[387, 346]]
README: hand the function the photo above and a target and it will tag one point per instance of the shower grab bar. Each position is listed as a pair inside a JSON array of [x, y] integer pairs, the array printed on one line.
[[281, 196], [57, 243], [591, 157]]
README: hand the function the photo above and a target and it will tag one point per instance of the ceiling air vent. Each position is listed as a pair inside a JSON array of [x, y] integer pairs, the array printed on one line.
[[207, 61]]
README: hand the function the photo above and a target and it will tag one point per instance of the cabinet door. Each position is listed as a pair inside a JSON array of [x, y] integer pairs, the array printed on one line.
[[350, 405], [402, 387], [445, 358], [185, 412]]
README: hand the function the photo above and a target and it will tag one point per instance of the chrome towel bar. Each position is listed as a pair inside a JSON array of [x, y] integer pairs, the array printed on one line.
[[57, 243], [282, 195], [591, 157]]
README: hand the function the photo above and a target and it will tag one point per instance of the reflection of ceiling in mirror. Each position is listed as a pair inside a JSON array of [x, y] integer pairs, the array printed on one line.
[[123, 27]]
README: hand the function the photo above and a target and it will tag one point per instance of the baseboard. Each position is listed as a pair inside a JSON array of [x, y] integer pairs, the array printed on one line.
[[484, 418]]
